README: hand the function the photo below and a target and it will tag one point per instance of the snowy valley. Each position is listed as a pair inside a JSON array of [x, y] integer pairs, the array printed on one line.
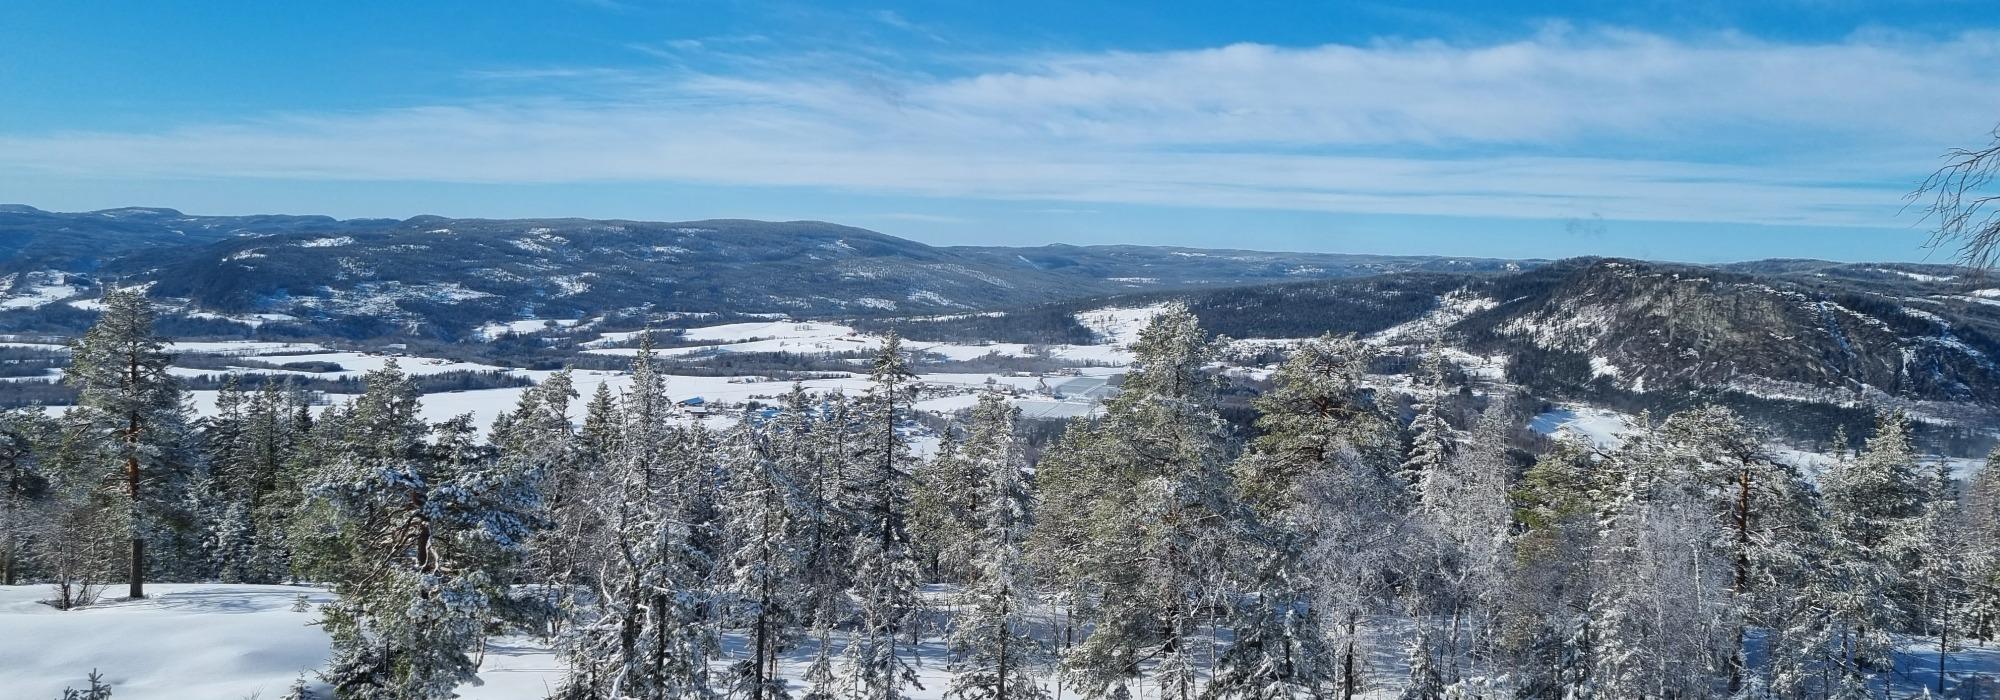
[[1598, 477]]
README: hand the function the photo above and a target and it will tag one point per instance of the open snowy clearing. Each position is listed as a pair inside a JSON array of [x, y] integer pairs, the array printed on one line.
[[1115, 327]]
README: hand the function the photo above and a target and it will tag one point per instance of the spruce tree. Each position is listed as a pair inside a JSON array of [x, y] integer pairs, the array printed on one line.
[[649, 632], [1432, 439], [24, 485], [885, 569], [1874, 503], [996, 654], [760, 505]]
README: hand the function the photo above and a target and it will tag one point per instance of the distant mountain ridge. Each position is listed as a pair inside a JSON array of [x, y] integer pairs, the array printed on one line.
[[444, 276]]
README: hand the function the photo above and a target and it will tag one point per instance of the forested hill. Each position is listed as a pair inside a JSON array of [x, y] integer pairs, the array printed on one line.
[[442, 277], [1811, 331]]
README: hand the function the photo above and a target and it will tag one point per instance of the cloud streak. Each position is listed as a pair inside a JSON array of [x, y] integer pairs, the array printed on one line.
[[1563, 124]]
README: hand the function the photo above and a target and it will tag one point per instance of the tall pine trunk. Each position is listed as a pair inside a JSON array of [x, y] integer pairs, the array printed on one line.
[[137, 574]]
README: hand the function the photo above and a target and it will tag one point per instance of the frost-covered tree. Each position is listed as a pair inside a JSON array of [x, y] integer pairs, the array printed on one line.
[[537, 436], [764, 559], [1432, 439], [1659, 615], [135, 408], [649, 631], [884, 586], [1467, 511], [1322, 466], [996, 654], [1981, 513], [944, 512], [423, 535], [1875, 503], [1763, 511], [24, 486], [1159, 522], [1943, 575]]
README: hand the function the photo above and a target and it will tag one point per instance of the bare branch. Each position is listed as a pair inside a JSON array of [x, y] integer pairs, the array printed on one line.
[[1960, 201]]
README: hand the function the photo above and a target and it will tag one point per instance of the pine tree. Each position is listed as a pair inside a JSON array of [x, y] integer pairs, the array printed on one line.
[[1323, 443], [1761, 508], [426, 533], [885, 570], [995, 652], [1547, 629], [128, 399], [1159, 524]]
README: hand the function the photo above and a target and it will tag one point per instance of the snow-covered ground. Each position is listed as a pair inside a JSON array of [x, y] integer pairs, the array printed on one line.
[[229, 641], [186, 642]]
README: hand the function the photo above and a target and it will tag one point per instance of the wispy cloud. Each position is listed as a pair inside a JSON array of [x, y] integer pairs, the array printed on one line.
[[1565, 124], [922, 218]]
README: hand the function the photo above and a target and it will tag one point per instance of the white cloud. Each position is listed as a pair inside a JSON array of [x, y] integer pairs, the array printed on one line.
[[1560, 125]]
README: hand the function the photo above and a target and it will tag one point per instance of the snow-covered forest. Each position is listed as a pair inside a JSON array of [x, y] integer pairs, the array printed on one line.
[[1341, 548]]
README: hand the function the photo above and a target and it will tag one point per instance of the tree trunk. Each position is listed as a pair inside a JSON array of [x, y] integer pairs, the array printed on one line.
[[1347, 670], [1742, 583], [1944, 645], [132, 428], [137, 574]]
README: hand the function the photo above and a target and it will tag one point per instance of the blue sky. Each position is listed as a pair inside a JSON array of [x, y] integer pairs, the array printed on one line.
[[1697, 131]]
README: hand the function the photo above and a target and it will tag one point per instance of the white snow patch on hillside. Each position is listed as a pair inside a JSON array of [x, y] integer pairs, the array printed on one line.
[[1602, 367], [329, 242], [1451, 308], [930, 297], [572, 285], [40, 289], [497, 329], [1603, 428], [1918, 276], [1119, 325]]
